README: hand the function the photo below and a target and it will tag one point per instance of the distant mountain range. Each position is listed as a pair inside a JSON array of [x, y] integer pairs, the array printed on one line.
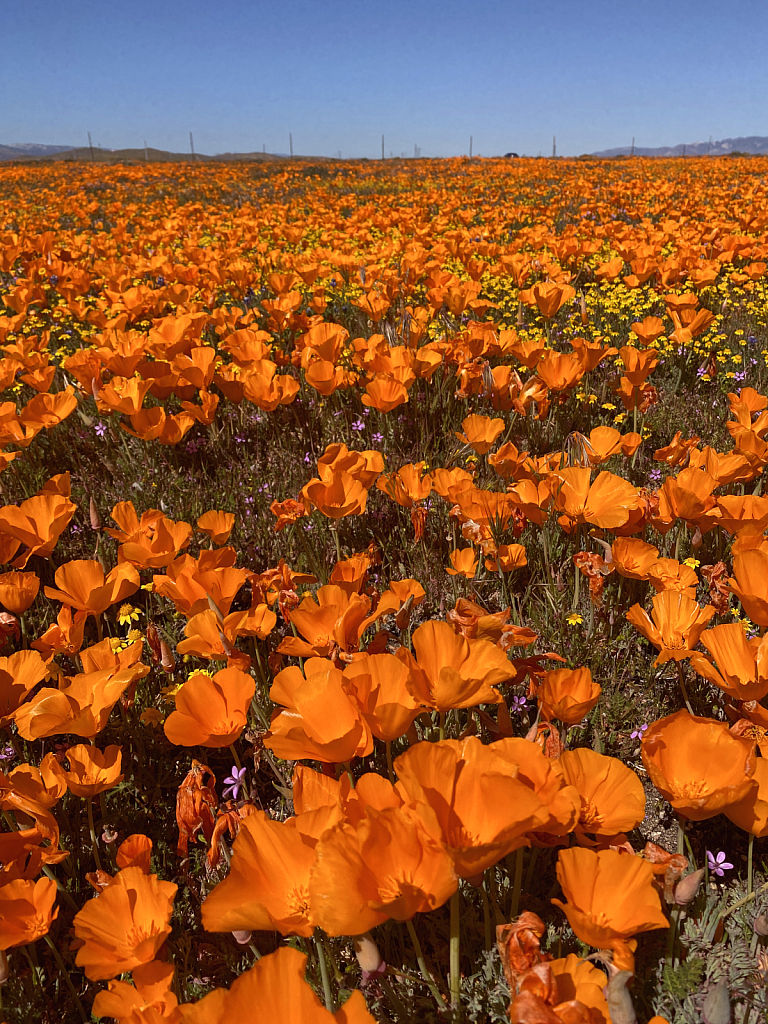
[[752, 144], [25, 150]]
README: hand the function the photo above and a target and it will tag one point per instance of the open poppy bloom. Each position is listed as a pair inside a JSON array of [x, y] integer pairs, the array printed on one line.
[[26, 911], [612, 796], [153, 541], [267, 887], [125, 925], [19, 673], [610, 897], [320, 717], [675, 626], [218, 525], [275, 990], [150, 996], [742, 663], [330, 621], [483, 809], [750, 585], [480, 432], [452, 672], [93, 771], [37, 523], [18, 590], [379, 683], [464, 562], [699, 765], [607, 502], [211, 712], [568, 694], [83, 586]]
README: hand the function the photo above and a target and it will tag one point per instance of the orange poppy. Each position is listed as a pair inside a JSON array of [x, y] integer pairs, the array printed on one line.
[[218, 525], [125, 925], [675, 626], [550, 297], [274, 989], [154, 541], [149, 1000], [507, 558], [211, 712], [267, 887], [743, 664], [45, 785], [669, 574], [750, 585], [480, 432], [26, 911], [379, 684], [19, 673], [330, 621], [568, 694], [37, 523], [319, 718], [18, 591], [607, 502], [610, 898], [482, 808], [464, 562], [612, 796], [698, 764], [82, 585], [93, 771], [633, 558], [339, 497], [751, 812], [452, 672]]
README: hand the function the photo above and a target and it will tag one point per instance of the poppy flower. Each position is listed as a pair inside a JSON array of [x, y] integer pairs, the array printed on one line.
[[267, 887], [275, 989], [330, 621], [37, 523], [93, 771], [742, 663], [211, 712], [482, 808], [26, 911], [408, 486], [154, 541], [750, 569], [560, 371], [612, 796], [464, 562], [480, 432], [18, 591], [83, 585], [379, 683], [339, 497], [45, 785], [319, 717], [550, 297], [150, 997], [452, 672], [633, 558], [698, 764], [507, 558], [135, 851], [388, 865], [675, 626], [607, 502], [568, 694], [610, 897], [125, 925], [218, 525], [669, 574], [19, 673]]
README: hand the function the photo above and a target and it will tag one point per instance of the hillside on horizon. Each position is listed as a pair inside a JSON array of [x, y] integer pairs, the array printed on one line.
[[755, 145]]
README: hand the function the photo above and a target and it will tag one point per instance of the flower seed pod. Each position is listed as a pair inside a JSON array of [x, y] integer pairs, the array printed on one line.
[[716, 1008], [167, 661], [686, 889], [94, 515]]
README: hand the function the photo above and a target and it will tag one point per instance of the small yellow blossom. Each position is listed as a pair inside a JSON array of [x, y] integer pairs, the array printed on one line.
[[574, 619], [151, 717], [127, 614], [693, 563]]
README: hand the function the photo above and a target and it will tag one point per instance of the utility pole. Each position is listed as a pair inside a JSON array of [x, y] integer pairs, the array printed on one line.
[[382, 147], [192, 146], [633, 146], [709, 147], [90, 146], [290, 140], [470, 147], [146, 154], [264, 148], [554, 147]]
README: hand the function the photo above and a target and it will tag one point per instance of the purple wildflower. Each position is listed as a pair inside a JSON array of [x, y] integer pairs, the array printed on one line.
[[637, 734], [718, 865], [517, 705], [233, 782], [101, 429]]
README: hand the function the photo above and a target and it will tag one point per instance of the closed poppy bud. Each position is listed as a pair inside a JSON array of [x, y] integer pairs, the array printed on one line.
[[760, 925], [94, 515], [167, 660], [716, 1008], [688, 887], [242, 937], [568, 694]]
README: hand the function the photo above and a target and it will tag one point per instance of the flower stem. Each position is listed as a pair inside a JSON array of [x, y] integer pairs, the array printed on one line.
[[423, 966], [685, 692], [326, 981], [63, 968], [390, 768], [749, 862], [92, 830], [235, 758], [454, 951], [516, 884]]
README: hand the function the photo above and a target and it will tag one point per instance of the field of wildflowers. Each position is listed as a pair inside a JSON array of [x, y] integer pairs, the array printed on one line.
[[384, 592]]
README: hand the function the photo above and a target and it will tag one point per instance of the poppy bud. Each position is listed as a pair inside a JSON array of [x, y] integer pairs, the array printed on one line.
[[243, 937], [619, 1000], [697, 539], [760, 925], [167, 661], [687, 887], [95, 517], [716, 1008], [368, 956]]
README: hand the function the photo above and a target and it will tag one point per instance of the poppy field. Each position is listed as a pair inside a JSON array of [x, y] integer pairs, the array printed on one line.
[[384, 590]]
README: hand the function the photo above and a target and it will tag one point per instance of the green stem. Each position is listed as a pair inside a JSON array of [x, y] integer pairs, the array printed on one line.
[[423, 967], [63, 968], [488, 941], [235, 758], [685, 694], [442, 725], [49, 874], [454, 951], [326, 981], [92, 830], [749, 862], [516, 884], [390, 767]]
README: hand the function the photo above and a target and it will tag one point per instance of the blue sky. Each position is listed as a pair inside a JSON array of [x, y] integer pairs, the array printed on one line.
[[242, 74]]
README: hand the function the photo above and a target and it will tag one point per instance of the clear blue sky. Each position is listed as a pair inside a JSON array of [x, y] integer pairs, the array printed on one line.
[[244, 73]]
